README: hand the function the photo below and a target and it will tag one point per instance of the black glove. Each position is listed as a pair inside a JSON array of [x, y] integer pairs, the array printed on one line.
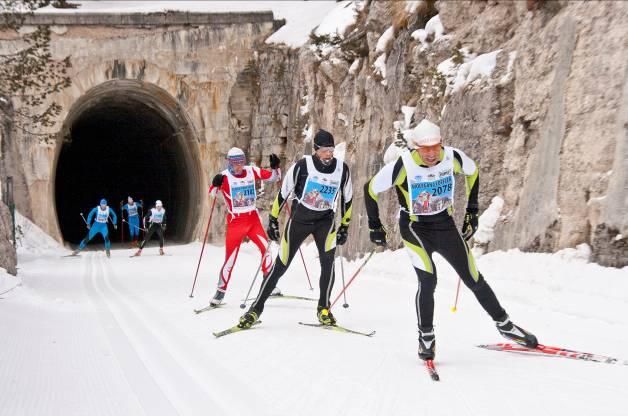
[[217, 181], [163, 227], [274, 161], [378, 236], [273, 228], [470, 225], [115, 227], [89, 226], [342, 234]]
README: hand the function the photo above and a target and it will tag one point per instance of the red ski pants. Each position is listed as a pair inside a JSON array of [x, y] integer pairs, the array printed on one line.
[[238, 227]]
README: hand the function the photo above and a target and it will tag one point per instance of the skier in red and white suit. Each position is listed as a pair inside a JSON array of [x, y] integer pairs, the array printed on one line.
[[237, 185]]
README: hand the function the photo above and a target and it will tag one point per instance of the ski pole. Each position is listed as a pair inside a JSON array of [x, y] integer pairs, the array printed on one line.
[[342, 272], [243, 304], [455, 307], [84, 220], [211, 213], [352, 278], [309, 282], [139, 228], [121, 226]]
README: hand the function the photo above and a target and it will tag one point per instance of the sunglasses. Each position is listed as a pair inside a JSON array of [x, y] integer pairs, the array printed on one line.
[[326, 149]]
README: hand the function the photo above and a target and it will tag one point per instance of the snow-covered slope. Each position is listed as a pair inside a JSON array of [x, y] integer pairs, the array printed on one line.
[[98, 336]]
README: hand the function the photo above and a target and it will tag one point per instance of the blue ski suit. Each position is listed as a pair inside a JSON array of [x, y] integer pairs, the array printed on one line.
[[134, 219], [99, 225]]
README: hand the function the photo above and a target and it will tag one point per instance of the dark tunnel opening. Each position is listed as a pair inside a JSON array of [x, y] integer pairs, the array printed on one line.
[[120, 146]]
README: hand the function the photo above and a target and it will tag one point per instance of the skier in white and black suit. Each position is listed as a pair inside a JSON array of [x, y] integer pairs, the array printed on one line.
[[424, 180], [156, 217], [318, 181]]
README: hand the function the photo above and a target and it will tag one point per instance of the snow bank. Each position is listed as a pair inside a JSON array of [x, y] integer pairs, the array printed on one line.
[[384, 40], [480, 67], [33, 240], [474, 68], [434, 31], [380, 66], [8, 282], [338, 20], [487, 221]]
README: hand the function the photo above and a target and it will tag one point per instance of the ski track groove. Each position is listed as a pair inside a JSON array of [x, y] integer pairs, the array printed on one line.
[[183, 351], [147, 391]]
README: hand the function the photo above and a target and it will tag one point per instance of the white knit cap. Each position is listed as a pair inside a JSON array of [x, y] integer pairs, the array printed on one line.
[[158, 203], [425, 133]]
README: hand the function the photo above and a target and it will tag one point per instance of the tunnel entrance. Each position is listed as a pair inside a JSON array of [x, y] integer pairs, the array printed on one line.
[[127, 138]]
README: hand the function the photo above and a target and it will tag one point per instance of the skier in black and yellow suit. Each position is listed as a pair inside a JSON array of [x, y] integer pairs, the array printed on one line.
[[426, 225]]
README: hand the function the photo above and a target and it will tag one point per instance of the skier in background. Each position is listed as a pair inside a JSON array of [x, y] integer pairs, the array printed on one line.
[[156, 217], [133, 219], [101, 215], [429, 167], [237, 185], [313, 213]]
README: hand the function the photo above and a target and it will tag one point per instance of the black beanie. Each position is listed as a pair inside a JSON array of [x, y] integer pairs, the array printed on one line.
[[323, 139]]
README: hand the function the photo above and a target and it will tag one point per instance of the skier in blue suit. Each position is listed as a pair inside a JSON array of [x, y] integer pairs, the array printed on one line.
[[131, 207], [101, 214]]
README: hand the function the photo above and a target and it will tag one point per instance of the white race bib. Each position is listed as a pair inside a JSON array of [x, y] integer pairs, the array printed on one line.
[[101, 216], [321, 189], [431, 189], [242, 191]]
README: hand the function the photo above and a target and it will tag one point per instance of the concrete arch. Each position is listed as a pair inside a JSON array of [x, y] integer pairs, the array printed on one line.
[[116, 113]]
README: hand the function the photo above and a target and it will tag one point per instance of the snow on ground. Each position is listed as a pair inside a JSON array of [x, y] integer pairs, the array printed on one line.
[[301, 17], [98, 336]]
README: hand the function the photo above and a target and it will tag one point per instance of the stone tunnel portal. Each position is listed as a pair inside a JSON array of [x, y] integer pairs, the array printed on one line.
[[127, 138]]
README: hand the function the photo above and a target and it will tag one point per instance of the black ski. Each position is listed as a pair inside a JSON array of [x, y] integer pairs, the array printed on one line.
[[338, 328], [208, 308], [233, 330], [431, 370]]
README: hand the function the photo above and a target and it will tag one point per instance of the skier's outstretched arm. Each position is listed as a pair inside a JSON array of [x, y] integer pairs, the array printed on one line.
[[91, 215], [114, 217], [287, 187], [390, 175], [464, 164], [346, 198]]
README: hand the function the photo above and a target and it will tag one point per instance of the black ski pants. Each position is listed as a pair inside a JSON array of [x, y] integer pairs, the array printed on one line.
[[294, 234], [154, 228], [421, 240]]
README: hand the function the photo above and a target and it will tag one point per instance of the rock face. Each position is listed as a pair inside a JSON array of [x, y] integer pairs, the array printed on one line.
[[536, 92], [547, 125]]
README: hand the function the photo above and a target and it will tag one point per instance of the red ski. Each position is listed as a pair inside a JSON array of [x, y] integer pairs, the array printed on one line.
[[431, 369], [554, 352]]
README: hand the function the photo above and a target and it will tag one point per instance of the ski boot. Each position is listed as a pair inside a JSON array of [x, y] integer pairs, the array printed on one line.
[[137, 253], [325, 316], [161, 251], [275, 292], [75, 252], [248, 319], [514, 333], [108, 253], [427, 343], [217, 299]]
